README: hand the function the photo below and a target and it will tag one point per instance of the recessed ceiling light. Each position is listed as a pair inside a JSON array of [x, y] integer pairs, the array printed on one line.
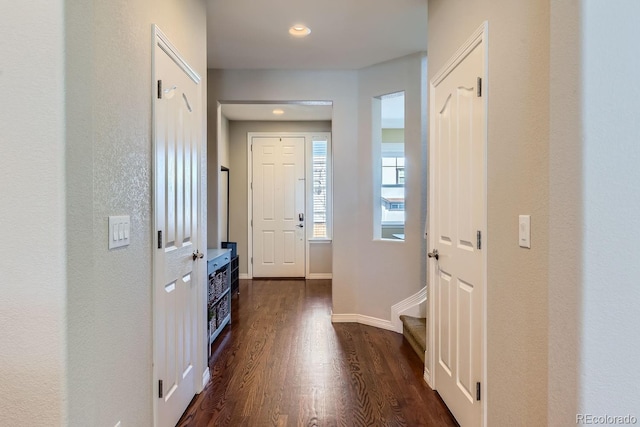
[[299, 30], [278, 111]]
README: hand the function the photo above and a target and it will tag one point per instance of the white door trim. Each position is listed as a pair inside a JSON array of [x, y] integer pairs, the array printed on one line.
[[480, 36], [160, 40], [308, 137]]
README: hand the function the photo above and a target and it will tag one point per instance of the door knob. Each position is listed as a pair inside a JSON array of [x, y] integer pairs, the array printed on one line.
[[299, 225], [434, 254], [197, 254]]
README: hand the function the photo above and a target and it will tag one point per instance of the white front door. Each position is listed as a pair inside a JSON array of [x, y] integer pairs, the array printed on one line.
[[278, 188], [457, 222], [178, 137]]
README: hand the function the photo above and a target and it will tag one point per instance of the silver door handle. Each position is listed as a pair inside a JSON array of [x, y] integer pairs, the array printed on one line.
[[299, 225], [434, 254]]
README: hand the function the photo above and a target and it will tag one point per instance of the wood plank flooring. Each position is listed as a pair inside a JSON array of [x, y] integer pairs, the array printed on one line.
[[283, 363]]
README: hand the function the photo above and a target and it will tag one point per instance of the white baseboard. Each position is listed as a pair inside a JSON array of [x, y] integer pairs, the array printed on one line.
[[427, 377], [311, 276], [362, 319], [410, 306], [206, 377], [320, 276]]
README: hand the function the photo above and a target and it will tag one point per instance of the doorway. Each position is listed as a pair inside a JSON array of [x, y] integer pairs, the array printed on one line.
[[457, 232], [277, 188], [289, 203], [235, 120], [177, 251]]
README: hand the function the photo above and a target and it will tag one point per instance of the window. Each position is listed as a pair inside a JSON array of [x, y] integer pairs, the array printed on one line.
[[392, 170], [389, 221], [320, 188]]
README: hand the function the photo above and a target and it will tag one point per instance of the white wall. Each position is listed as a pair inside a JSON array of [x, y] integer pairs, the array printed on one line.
[[594, 227], [32, 260], [341, 88], [610, 89], [390, 271], [565, 213], [517, 89], [109, 93], [223, 160], [218, 149]]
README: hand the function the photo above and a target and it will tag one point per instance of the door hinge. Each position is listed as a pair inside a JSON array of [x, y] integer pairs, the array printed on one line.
[[251, 260], [478, 391], [159, 89], [251, 147], [251, 185], [159, 239], [160, 391], [479, 239], [479, 87], [252, 223]]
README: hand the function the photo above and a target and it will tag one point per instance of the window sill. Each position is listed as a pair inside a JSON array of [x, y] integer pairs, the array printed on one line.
[[385, 239]]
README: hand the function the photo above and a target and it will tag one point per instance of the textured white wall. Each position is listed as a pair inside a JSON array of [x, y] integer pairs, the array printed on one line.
[[109, 173], [341, 88], [594, 228], [32, 260], [518, 127], [390, 271], [611, 201]]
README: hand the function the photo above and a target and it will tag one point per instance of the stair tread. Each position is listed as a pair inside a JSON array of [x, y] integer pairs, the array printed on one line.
[[417, 328]]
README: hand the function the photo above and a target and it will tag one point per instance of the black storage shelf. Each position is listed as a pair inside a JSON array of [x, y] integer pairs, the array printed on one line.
[[235, 274], [219, 295]]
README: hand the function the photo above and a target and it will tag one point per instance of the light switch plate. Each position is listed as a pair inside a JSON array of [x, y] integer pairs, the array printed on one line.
[[119, 231], [524, 231]]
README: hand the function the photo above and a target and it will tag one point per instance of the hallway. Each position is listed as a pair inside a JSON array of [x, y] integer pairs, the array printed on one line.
[[283, 363]]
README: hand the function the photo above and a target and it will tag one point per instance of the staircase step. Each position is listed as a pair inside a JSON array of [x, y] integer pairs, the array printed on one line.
[[414, 330]]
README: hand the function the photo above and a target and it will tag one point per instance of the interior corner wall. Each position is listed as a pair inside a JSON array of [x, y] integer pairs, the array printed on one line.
[[340, 87], [32, 260], [109, 172], [386, 262], [218, 149], [565, 212], [223, 158], [517, 183], [238, 206], [215, 134]]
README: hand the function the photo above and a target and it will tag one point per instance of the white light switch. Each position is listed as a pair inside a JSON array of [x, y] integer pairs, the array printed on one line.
[[119, 231], [524, 233]]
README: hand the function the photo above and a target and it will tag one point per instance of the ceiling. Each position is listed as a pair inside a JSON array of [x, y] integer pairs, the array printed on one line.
[[345, 35], [290, 112]]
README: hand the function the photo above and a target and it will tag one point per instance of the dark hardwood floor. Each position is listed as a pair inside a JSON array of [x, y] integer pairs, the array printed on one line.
[[283, 363]]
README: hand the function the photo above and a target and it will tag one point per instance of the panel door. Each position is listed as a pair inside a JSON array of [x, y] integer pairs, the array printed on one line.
[[178, 131], [278, 183], [457, 162]]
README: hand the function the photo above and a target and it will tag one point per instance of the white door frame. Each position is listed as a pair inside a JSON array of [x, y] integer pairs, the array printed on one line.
[[161, 40], [308, 224], [480, 36]]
